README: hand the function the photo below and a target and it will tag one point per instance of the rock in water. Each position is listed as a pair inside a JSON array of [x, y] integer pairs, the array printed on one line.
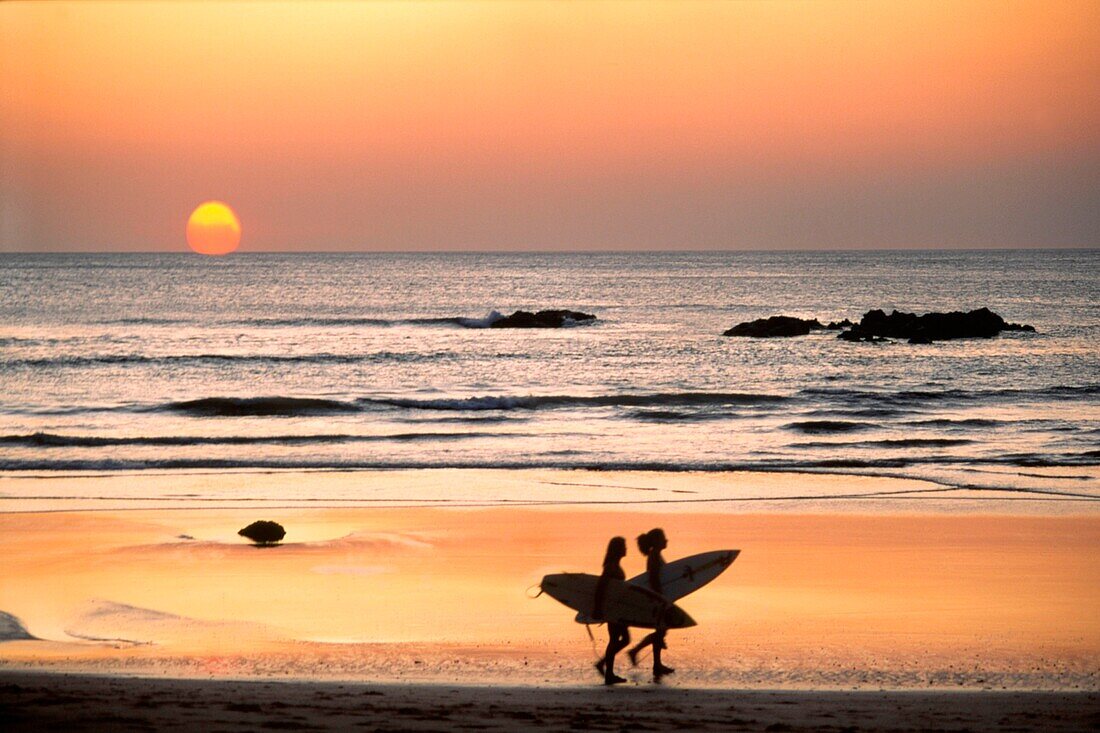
[[542, 319], [264, 532], [980, 323], [774, 327]]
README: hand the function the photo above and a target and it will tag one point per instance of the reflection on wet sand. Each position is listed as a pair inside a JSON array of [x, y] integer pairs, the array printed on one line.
[[846, 599]]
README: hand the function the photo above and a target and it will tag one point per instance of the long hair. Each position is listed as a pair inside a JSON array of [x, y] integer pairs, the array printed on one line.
[[616, 549]]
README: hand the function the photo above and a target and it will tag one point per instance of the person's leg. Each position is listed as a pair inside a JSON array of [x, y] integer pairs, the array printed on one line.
[[659, 669], [609, 651], [619, 638], [633, 653], [624, 639]]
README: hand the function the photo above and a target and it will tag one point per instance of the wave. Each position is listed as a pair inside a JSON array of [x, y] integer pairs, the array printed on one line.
[[459, 419], [52, 440], [828, 426], [333, 321], [290, 406], [878, 412], [534, 402], [842, 465], [199, 359], [461, 321], [377, 322], [663, 416], [889, 443], [259, 406], [324, 321], [970, 422], [917, 397]]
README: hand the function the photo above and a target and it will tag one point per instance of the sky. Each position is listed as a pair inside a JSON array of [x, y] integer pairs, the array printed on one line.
[[551, 126]]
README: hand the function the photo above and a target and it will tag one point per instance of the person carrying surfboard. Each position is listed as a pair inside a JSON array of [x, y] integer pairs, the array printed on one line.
[[618, 632], [651, 543]]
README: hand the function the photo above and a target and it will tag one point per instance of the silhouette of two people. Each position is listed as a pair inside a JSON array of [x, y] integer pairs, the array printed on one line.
[[650, 544]]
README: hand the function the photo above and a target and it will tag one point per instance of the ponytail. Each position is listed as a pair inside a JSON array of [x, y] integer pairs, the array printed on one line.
[[648, 542]]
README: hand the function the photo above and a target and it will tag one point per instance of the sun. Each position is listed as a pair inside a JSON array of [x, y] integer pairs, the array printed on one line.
[[213, 229]]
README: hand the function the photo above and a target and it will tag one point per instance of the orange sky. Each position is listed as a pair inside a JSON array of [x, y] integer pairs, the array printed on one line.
[[551, 126]]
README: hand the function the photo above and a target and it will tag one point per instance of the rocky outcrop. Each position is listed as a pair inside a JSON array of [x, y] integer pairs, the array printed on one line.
[[542, 319], [774, 327], [264, 532], [838, 325], [876, 325]]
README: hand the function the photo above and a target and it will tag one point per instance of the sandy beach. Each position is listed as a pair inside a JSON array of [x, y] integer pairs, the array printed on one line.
[[77, 702], [901, 599], [398, 614]]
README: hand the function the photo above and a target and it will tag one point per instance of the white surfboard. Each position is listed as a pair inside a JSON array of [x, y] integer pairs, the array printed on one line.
[[623, 602], [683, 576]]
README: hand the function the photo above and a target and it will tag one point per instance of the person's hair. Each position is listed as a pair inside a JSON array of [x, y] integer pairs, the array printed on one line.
[[616, 548], [647, 541]]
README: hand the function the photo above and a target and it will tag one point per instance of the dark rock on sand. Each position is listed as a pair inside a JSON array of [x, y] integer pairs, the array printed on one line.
[[774, 327], [981, 323], [12, 629], [542, 319], [264, 532]]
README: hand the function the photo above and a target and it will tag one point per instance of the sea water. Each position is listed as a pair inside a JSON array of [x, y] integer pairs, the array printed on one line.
[[176, 362]]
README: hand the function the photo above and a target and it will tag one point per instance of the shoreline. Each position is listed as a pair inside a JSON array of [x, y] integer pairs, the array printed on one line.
[[30, 701], [629, 490]]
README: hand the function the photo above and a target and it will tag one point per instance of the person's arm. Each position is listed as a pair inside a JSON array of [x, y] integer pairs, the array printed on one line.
[[653, 571]]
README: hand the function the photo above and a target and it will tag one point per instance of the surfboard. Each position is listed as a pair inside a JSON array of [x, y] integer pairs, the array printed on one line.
[[623, 602], [683, 576]]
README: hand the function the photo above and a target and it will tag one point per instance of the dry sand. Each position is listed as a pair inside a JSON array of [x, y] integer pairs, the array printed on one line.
[[34, 701]]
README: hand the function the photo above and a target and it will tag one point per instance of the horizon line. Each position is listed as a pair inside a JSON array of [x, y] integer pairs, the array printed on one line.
[[185, 251]]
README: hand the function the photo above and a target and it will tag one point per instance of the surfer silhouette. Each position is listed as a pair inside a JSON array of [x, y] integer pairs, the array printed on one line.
[[618, 633], [651, 543]]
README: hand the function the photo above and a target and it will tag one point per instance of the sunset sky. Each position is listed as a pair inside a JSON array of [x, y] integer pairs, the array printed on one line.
[[516, 126]]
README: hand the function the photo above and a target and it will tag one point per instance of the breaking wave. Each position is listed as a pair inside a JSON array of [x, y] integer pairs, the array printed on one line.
[[291, 406], [329, 321]]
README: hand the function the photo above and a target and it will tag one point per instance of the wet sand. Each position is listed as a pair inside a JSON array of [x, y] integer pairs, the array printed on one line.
[[32, 702], [160, 616]]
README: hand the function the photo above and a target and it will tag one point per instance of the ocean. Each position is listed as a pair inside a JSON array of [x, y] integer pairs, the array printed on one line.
[[175, 362]]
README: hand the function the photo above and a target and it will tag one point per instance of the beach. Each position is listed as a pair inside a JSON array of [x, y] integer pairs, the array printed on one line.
[[407, 615], [77, 702], [918, 526], [907, 598]]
